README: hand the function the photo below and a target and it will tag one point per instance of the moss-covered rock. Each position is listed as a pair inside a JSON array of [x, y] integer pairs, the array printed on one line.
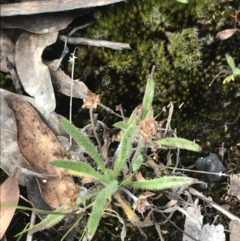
[[190, 63]]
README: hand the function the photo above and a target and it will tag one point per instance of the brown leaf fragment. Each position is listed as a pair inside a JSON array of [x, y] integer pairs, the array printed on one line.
[[33, 73], [41, 23], [9, 194], [38, 144], [11, 156], [35, 7], [235, 185], [91, 101], [227, 33]]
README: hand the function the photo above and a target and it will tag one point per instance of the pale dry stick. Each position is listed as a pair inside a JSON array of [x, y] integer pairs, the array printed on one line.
[[109, 110], [168, 219], [96, 43], [218, 75], [157, 227], [213, 204], [32, 222], [65, 48], [202, 172], [72, 60]]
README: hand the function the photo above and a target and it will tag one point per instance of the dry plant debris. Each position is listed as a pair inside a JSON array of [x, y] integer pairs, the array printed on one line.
[[39, 145], [9, 194], [234, 188]]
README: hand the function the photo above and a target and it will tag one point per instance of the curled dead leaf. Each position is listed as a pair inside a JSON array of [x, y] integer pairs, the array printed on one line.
[[227, 33], [33, 73], [38, 144]]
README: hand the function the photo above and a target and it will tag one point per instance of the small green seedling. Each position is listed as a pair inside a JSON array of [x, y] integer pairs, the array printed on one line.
[[235, 70]]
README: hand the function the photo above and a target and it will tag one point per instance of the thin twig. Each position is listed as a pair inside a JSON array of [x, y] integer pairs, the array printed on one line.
[[94, 42], [202, 172], [213, 204], [32, 222], [71, 93], [65, 48], [109, 110]]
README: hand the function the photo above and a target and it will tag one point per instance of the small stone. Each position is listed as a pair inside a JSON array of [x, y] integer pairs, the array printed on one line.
[[210, 163]]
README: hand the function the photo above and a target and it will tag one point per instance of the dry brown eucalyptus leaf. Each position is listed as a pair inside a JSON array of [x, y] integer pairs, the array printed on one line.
[[9, 194], [41, 23], [11, 156], [33, 73], [35, 7], [227, 33], [80, 90], [39, 146]]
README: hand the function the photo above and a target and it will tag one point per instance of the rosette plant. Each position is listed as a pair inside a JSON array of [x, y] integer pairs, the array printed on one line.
[[138, 134]]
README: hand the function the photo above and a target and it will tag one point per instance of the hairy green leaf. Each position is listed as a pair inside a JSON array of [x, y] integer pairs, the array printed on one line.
[[98, 207], [230, 61], [46, 223], [164, 183], [124, 148], [148, 98], [179, 143], [80, 169], [84, 141], [122, 125], [236, 71], [137, 163]]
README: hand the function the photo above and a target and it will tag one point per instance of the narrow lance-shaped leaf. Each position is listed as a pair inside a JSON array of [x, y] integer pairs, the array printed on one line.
[[80, 169], [137, 163], [148, 97], [230, 61], [164, 183], [98, 208], [124, 148], [46, 223], [133, 116], [179, 143], [84, 141], [122, 125]]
